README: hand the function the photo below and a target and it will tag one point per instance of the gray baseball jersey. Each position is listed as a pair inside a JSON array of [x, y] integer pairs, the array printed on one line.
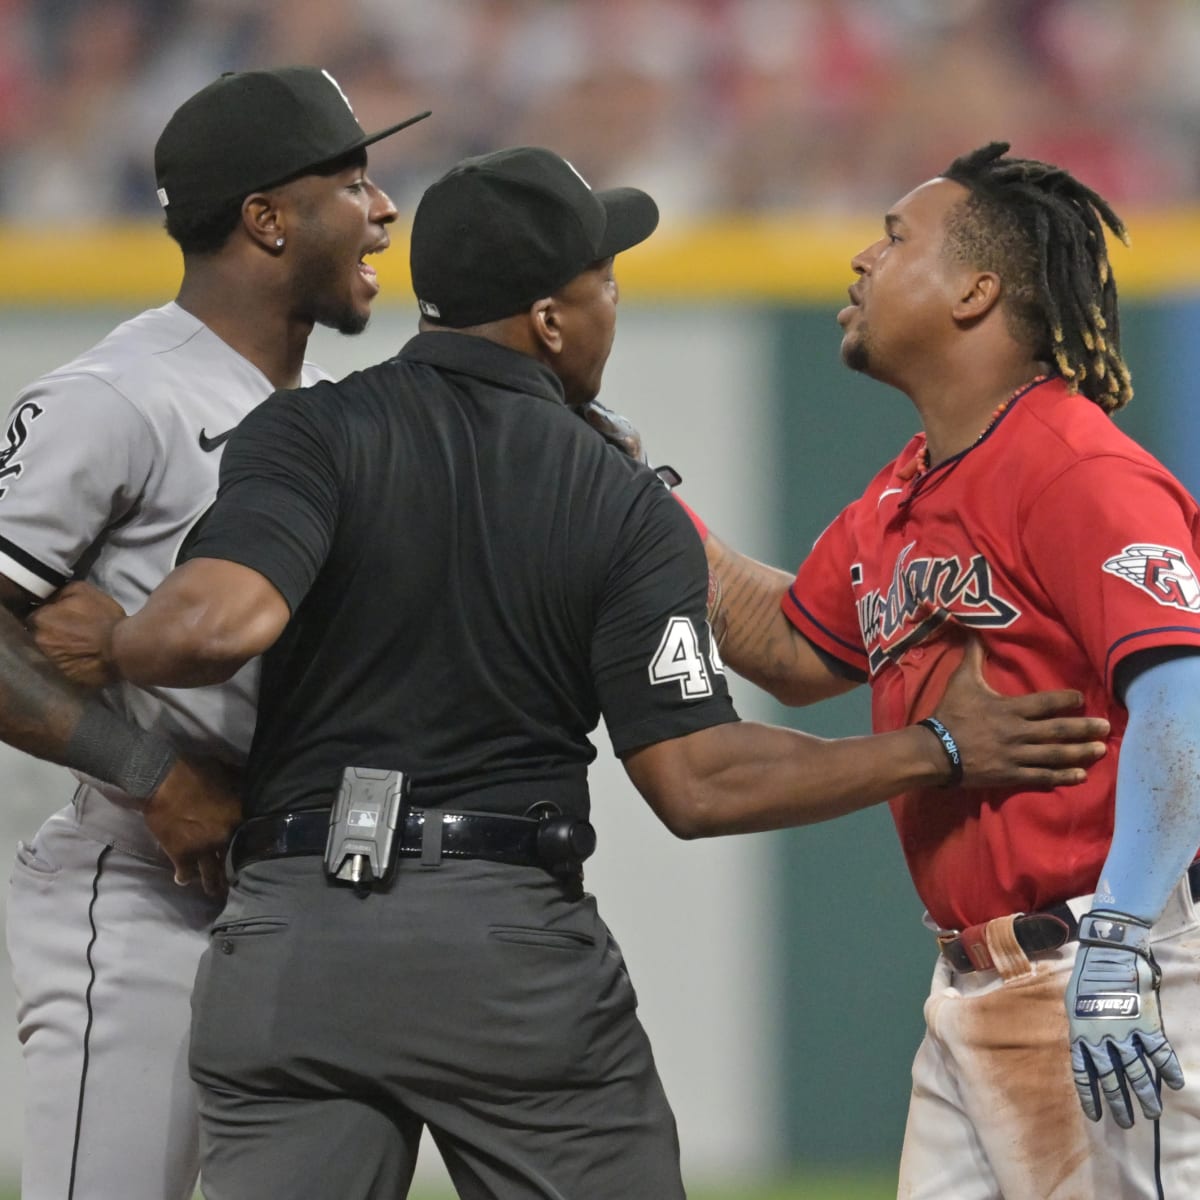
[[110, 462]]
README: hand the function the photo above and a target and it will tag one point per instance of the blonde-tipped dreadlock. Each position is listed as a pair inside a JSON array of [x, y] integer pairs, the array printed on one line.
[[1040, 229]]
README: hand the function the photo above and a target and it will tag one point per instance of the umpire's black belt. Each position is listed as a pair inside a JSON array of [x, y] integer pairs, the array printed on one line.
[[1035, 933], [554, 844]]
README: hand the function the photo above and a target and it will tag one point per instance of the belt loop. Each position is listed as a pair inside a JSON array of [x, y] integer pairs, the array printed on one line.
[[974, 942], [431, 838], [1010, 959]]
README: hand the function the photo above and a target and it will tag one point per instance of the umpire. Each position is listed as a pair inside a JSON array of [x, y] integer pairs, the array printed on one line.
[[474, 575], [453, 578]]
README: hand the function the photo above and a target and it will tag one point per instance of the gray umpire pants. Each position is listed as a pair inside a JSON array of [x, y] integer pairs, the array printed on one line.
[[487, 1002]]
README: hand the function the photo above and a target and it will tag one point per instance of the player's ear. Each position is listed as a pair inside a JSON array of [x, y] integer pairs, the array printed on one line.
[[263, 221], [545, 322], [977, 295]]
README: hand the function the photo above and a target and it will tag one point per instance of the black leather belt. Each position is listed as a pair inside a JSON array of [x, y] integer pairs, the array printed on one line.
[[1035, 933], [556, 843]]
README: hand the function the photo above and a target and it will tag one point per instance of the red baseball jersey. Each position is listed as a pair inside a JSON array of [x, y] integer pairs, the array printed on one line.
[[1066, 547]]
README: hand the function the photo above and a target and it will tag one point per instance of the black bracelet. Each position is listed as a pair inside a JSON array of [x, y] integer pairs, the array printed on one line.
[[951, 748]]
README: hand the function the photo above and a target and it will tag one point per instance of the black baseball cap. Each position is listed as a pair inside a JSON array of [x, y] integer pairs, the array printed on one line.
[[250, 130], [499, 231]]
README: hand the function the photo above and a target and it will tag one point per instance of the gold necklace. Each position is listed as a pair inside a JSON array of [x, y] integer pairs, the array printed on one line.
[[920, 461]]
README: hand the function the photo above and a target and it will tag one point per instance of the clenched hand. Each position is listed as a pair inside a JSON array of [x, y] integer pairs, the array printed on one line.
[[74, 630]]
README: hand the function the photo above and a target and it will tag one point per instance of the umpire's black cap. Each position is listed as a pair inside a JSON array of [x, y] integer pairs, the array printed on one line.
[[250, 130], [502, 230]]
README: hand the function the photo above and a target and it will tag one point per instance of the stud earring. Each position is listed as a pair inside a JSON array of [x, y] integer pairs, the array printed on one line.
[[279, 242]]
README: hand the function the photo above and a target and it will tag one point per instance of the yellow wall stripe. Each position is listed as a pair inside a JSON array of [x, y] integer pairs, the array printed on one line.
[[798, 258]]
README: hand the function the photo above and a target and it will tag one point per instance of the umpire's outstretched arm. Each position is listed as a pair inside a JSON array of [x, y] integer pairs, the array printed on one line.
[[746, 777], [210, 616]]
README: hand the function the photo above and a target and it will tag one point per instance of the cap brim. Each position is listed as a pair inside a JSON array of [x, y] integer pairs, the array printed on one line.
[[358, 144], [632, 218], [378, 137]]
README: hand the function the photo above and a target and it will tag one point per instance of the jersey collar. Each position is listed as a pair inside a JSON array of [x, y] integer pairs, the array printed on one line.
[[912, 468], [472, 355]]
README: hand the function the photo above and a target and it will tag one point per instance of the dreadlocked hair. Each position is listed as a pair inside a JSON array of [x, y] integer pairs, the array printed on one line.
[[1040, 229]]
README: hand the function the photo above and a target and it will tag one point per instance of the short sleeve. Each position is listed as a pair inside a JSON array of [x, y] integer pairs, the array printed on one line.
[[657, 670], [75, 459], [1113, 541], [821, 604], [279, 499]]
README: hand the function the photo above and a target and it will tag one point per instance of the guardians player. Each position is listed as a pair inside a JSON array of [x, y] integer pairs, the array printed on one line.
[[1022, 515]]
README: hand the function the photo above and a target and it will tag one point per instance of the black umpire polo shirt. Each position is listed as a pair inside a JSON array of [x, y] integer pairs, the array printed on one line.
[[474, 574]]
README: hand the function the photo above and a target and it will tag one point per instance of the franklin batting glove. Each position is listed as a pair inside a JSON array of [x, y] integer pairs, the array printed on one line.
[[1117, 1039]]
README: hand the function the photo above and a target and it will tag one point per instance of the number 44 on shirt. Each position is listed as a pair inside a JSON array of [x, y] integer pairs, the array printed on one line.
[[679, 659]]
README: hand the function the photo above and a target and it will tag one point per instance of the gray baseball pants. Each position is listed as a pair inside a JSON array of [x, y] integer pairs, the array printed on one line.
[[104, 947]]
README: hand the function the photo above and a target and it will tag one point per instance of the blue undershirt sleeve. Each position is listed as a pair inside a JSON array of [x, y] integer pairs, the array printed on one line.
[[1157, 826]]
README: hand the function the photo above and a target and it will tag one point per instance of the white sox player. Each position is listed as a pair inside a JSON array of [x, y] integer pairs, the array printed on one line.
[[109, 462]]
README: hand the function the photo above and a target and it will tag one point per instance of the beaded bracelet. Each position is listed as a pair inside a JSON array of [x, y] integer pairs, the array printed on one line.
[[950, 746]]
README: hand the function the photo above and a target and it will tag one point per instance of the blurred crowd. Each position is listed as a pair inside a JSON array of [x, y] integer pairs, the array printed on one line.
[[711, 105]]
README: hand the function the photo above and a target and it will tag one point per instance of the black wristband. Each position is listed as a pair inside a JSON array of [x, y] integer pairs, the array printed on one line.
[[951, 748], [114, 750]]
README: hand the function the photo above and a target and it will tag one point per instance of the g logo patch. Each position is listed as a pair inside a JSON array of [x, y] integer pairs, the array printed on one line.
[[1161, 571]]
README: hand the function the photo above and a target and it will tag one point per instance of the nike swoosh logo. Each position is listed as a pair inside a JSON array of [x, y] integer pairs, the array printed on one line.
[[208, 444], [885, 492]]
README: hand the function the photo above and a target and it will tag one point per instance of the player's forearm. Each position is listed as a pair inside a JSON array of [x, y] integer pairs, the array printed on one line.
[[754, 636], [747, 778], [39, 707], [44, 714], [1157, 821]]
